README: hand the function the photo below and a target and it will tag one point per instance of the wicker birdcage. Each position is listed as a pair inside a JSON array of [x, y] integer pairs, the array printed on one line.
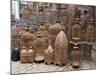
[[53, 32], [44, 31], [76, 31], [49, 55], [15, 30], [15, 38], [26, 12], [30, 55], [27, 38], [61, 48], [90, 37], [85, 50], [23, 55], [39, 46], [90, 33], [75, 55]]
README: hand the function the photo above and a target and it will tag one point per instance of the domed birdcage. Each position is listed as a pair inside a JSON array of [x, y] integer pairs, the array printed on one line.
[[30, 55], [27, 38], [39, 46], [54, 30], [61, 49], [26, 12], [23, 55]]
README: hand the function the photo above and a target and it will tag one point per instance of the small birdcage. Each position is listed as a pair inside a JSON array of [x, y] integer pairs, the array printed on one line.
[[44, 31], [49, 55], [30, 55], [90, 33], [23, 55]]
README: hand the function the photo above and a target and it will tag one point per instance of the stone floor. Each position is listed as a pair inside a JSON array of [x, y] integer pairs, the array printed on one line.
[[18, 68]]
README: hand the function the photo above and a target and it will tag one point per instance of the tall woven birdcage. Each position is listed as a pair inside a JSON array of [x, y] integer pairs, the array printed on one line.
[[54, 30], [49, 55], [61, 49], [39, 46]]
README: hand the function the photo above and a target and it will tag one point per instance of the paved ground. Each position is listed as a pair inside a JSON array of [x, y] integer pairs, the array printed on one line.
[[18, 68]]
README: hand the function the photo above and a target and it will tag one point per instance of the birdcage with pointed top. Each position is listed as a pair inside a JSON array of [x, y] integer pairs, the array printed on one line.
[[49, 55], [61, 49]]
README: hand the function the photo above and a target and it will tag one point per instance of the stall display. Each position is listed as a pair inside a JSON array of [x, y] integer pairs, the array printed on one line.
[[49, 37]]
